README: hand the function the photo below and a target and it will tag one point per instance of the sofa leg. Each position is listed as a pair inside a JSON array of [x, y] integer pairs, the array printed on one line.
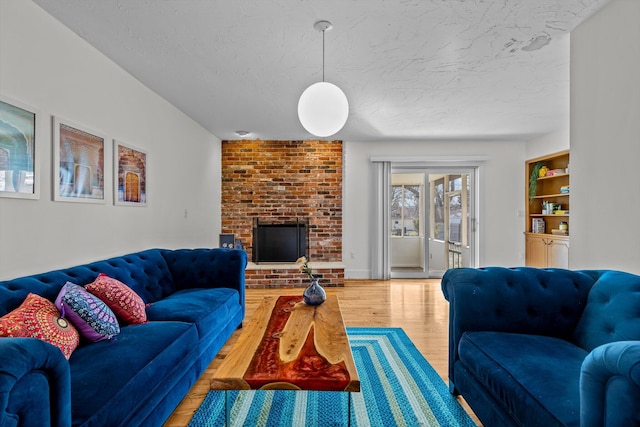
[[452, 389]]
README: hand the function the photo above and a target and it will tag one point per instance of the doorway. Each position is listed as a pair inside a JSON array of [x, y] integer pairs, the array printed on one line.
[[131, 187], [431, 212]]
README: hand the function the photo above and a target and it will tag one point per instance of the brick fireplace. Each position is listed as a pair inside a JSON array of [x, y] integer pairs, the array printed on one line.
[[285, 181]]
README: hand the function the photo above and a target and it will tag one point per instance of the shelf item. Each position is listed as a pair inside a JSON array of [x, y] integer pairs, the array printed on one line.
[[554, 172], [549, 203], [538, 225]]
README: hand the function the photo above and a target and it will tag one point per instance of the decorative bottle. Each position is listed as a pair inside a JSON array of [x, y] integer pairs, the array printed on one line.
[[314, 294]]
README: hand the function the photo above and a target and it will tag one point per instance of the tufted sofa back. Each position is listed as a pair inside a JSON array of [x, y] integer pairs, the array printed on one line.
[[612, 312], [200, 268], [145, 272], [524, 300]]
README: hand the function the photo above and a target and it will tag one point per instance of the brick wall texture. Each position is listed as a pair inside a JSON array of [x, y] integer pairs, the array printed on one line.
[[279, 181], [292, 278]]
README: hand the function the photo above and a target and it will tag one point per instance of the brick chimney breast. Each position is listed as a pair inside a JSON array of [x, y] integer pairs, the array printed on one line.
[[279, 181]]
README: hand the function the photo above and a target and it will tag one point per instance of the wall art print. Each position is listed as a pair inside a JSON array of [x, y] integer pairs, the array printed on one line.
[[129, 175], [18, 174], [79, 167]]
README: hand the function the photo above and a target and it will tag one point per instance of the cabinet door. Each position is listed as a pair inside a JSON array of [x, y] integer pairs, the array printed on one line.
[[536, 252], [558, 253]]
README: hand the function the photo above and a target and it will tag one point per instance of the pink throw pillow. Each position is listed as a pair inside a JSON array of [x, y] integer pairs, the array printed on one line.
[[125, 303]]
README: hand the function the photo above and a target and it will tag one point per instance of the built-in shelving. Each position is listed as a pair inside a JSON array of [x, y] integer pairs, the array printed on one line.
[[548, 249]]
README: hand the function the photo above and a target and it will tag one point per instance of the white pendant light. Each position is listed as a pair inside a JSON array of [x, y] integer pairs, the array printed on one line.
[[323, 107]]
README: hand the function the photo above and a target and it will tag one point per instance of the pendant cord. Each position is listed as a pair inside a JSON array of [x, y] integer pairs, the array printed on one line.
[[323, 55]]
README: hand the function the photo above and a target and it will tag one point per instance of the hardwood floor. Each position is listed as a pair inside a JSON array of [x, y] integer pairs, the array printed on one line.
[[415, 305]]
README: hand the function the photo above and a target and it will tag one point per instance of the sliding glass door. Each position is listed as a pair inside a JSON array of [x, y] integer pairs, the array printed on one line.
[[452, 231], [431, 220]]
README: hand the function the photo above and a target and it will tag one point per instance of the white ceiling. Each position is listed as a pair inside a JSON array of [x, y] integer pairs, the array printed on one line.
[[411, 69]]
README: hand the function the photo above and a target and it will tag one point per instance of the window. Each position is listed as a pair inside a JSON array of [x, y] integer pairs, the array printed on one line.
[[437, 208], [455, 218], [450, 207], [455, 183], [405, 211]]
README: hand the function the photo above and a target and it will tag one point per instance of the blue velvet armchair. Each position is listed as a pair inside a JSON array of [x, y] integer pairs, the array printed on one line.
[[545, 347]]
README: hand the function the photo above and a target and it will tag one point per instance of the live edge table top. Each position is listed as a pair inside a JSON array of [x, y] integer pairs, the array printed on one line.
[[289, 345]]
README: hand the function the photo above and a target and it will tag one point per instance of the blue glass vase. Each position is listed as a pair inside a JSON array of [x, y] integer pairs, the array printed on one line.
[[314, 294]]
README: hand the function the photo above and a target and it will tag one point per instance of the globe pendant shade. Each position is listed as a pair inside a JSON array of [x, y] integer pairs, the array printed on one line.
[[323, 109]]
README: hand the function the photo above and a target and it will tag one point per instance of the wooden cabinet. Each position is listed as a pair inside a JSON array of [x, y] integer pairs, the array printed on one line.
[[552, 191], [535, 251], [558, 252], [546, 251]]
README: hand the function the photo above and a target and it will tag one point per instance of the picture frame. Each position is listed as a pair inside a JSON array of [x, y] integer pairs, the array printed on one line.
[[129, 175], [19, 171], [79, 168]]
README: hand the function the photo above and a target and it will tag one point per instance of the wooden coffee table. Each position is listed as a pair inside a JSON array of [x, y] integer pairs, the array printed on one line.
[[289, 345]]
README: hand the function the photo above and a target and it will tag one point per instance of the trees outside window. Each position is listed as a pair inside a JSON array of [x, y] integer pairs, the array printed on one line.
[[438, 210], [450, 208], [405, 211]]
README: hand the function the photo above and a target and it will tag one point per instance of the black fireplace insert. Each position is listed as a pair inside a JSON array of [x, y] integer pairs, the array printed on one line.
[[279, 242]]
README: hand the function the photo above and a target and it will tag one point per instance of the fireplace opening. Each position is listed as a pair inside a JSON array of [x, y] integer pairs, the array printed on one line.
[[281, 242]]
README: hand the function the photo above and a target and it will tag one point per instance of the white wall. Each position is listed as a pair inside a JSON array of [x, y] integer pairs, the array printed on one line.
[[407, 252], [501, 187], [548, 144], [605, 139], [437, 258], [45, 65]]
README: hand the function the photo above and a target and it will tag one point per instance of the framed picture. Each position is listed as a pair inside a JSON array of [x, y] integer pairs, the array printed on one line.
[[129, 175], [19, 177], [78, 163]]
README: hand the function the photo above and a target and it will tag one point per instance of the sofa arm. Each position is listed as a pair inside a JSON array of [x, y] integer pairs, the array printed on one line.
[[518, 300], [610, 386], [35, 383]]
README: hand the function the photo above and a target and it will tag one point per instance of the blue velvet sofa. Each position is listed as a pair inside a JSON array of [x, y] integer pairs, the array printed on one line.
[[545, 347], [195, 300]]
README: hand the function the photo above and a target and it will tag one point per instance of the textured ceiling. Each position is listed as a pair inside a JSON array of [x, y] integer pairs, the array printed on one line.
[[412, 70]]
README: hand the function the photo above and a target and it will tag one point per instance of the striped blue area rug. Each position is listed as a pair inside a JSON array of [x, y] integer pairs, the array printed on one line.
[[398, 388]]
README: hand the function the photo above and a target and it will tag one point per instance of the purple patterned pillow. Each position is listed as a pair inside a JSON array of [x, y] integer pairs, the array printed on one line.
[[89, 314]]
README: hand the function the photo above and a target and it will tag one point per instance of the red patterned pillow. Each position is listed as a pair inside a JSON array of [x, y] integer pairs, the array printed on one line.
[[37, 317], [120, 298]]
